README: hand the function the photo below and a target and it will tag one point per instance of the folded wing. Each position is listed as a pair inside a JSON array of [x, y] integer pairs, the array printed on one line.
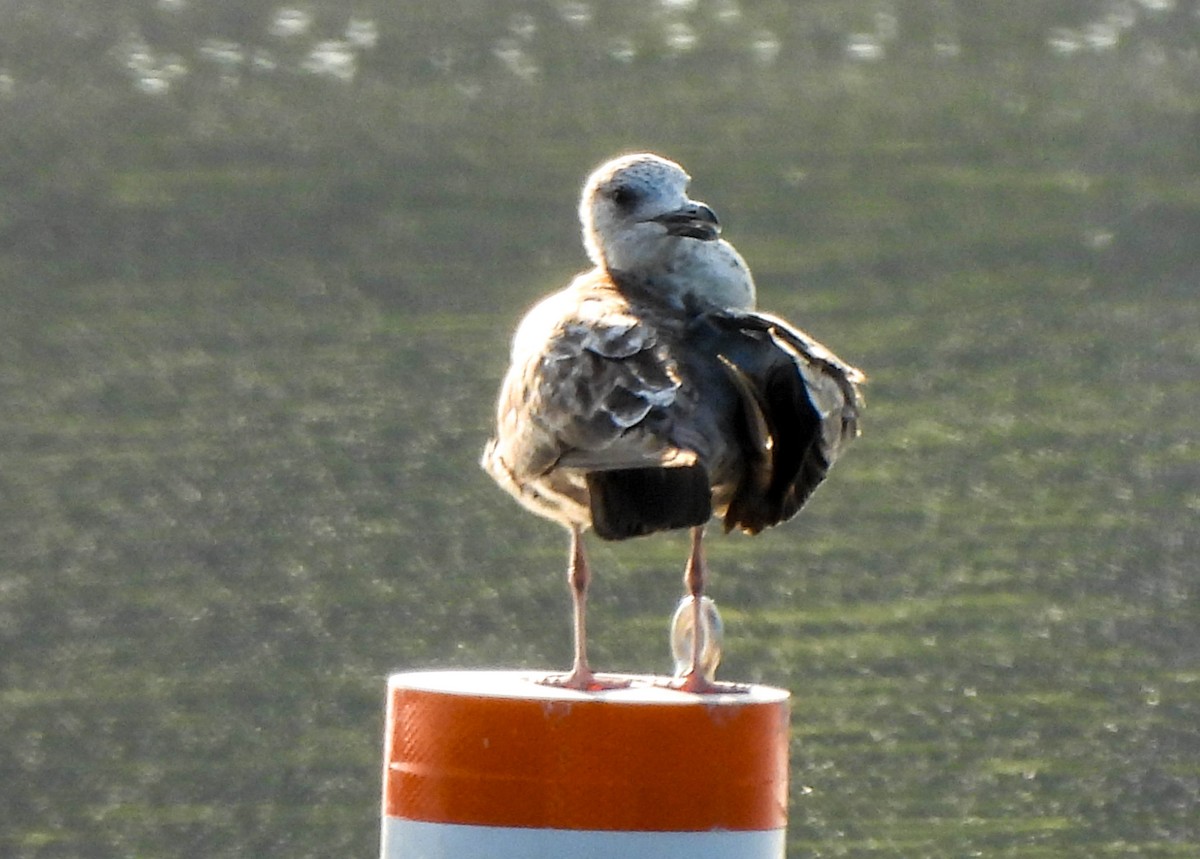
[[634, 420], [583, 426], [797, 406]]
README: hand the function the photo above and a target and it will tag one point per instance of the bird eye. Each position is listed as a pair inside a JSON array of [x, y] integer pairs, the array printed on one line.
[[623, 196]]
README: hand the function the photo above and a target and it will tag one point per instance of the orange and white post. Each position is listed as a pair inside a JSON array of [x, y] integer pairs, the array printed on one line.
[[494, 765]]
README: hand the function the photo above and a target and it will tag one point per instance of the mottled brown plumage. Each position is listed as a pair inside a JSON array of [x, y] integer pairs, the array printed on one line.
[[649, 395]]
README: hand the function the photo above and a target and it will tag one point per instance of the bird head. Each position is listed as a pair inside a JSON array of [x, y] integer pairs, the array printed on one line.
[[635, 210]]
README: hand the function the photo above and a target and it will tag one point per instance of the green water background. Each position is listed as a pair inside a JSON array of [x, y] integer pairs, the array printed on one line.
[[257, 290]]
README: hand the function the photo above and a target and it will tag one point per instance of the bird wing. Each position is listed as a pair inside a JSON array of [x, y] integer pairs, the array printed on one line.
[[633, 420], [588, 390], [797, 406], [833, 384]]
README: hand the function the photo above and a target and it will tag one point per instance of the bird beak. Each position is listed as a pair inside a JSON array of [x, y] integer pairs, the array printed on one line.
[[693, 221]]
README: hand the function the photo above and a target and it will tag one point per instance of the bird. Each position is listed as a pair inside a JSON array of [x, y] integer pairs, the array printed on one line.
[[650, 395]]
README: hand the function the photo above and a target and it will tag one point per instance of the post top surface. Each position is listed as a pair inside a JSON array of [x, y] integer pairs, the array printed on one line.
[[640, 688]]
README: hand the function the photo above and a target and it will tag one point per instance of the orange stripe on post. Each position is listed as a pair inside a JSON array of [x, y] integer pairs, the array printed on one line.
[[498, 749]]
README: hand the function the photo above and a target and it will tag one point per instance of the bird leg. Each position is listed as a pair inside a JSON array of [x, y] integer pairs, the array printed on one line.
[[578, 576], [693, 579]]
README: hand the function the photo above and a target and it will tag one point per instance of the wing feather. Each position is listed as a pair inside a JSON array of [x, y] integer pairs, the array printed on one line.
[[806, 398], [589, 389]]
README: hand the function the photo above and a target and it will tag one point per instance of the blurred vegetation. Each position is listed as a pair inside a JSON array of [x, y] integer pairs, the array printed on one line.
[[260, 261]]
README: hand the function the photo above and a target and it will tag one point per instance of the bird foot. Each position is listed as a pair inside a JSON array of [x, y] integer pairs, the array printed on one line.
[[585, 680], [696, 683]]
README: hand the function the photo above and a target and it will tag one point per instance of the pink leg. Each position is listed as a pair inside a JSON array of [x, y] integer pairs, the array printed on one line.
[[578, 575], [693, 579]]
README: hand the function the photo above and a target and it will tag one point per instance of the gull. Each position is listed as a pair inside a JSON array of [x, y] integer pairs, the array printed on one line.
[[649, 394]]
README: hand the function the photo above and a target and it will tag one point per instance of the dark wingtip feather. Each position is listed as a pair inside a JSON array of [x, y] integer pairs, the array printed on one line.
[[796, 463], [632, 502]]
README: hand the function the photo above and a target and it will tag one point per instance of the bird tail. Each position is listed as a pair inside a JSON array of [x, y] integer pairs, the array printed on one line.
[[631, 502]]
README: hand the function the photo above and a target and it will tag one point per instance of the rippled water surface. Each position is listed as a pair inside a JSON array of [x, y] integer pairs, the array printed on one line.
[[259, 275]]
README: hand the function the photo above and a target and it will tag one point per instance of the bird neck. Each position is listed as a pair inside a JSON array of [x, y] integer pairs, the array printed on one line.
[[699, 278], [664, 290]]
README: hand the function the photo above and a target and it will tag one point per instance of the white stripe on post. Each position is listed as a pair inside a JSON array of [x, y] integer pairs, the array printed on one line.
[[411, 838]]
